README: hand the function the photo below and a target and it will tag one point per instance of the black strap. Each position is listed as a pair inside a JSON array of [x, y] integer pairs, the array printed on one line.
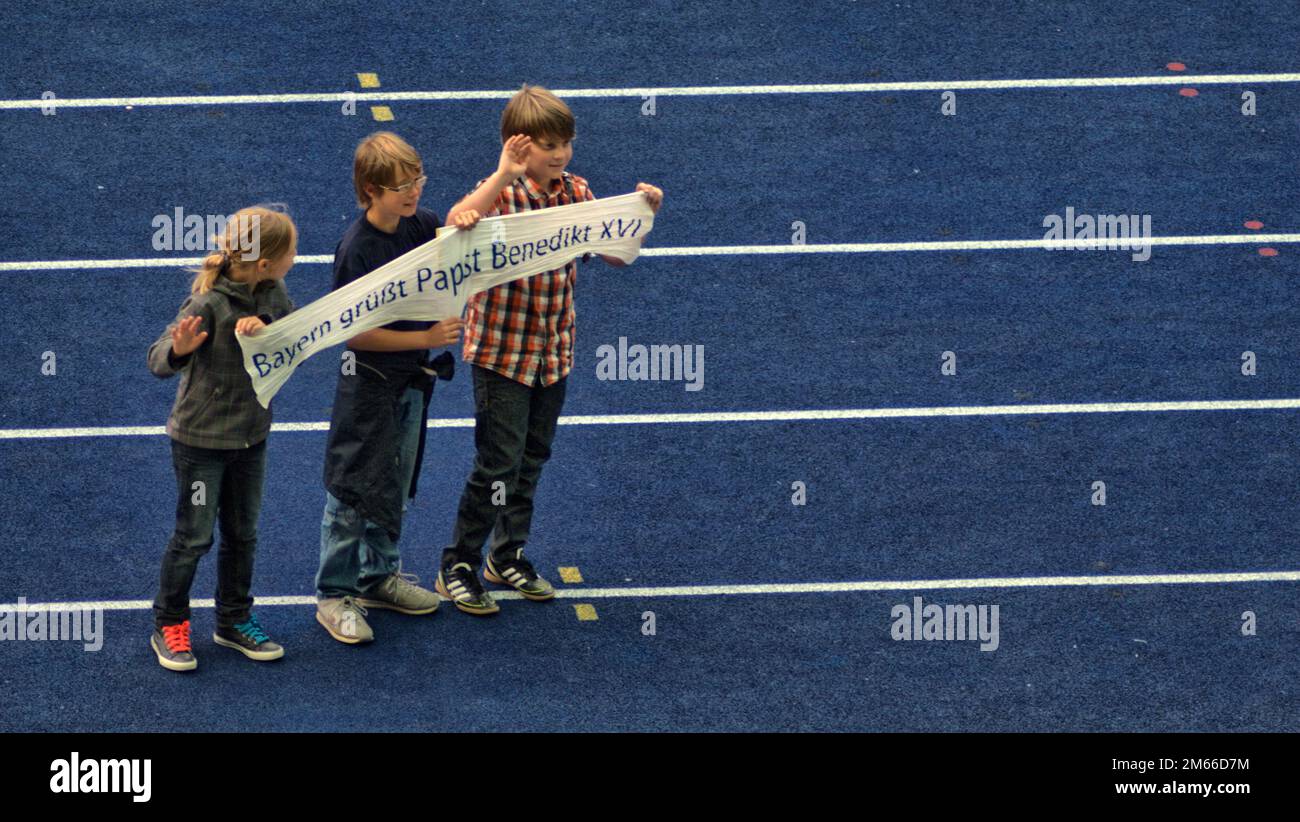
[[444, 365]]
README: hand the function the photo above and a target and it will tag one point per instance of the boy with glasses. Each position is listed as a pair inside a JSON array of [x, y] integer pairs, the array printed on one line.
[[377, 429]]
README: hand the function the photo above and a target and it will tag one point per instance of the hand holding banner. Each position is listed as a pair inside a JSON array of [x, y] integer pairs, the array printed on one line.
[[433, 282]]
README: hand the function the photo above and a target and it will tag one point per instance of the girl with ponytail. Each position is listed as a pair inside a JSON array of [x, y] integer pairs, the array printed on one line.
[[218, 432]]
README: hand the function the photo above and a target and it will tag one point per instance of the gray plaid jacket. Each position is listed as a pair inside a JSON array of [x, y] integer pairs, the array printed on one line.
[[215, 405]]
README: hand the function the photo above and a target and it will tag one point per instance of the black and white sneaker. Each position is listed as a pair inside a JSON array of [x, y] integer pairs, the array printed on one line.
[[460, 584], [519, 574]]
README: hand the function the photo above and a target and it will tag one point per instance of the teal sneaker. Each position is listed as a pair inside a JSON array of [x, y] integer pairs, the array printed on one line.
[[249, 639]]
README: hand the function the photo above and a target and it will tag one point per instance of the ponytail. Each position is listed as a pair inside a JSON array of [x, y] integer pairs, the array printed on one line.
[[205, 276], [275, 235]]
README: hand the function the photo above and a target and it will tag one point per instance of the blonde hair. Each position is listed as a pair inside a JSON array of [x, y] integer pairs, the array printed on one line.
[[538, 113], [380, 159], [265, 232]]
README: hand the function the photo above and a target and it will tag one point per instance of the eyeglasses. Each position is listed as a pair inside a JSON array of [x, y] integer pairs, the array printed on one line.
[[418, 182]]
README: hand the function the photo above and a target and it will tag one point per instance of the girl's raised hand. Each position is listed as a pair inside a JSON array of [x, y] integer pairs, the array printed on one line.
[[184, 337], [248, 326], [514, 156]]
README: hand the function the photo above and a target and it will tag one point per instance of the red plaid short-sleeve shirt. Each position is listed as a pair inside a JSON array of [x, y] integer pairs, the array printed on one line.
[[524, 329]]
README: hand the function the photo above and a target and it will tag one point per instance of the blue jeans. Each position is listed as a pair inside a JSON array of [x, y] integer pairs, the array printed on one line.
[[231, 491], [355, 553], [514, 426]]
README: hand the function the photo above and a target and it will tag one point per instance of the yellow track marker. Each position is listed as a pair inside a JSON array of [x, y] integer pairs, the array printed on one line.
[[586, 613], [368, 79], [570, 574], [382, 113]]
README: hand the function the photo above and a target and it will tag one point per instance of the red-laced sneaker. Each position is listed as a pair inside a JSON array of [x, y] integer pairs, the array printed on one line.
[[171, 643]]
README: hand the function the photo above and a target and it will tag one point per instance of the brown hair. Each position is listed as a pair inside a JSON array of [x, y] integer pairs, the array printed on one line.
[[538, 113], [264, 229], [380, 160]]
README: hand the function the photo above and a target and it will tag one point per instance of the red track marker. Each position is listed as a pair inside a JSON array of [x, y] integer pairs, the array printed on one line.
[[1268, 252], [1175, 66], [1253, 225], [1188, 92]]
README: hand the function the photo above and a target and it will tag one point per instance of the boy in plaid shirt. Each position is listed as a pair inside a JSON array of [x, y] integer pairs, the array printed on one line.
[[519, 342]]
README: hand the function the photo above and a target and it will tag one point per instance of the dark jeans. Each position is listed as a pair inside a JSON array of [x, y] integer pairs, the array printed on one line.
[[514, 426], [232, 492]]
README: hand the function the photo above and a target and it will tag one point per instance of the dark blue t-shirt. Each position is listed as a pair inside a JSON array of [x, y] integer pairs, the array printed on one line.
[[365, 248]]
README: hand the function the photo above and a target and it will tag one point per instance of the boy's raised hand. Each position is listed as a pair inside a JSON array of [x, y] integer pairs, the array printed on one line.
[[248, 326], [466, 219], [445, 332], [514, 156], [184, 338], [654, 196]]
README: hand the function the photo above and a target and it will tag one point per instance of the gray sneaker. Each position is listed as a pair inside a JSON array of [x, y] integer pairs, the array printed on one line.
[[344, 619], [398, 592]]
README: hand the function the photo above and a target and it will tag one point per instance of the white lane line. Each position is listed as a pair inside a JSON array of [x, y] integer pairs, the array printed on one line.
[[769, 588], [723, 250], [660, 91], [938, 411], [138, 262], [742, 416], [967, 245]]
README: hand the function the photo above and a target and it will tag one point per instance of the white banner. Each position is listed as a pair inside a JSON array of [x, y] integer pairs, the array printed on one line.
[[433, 282]]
